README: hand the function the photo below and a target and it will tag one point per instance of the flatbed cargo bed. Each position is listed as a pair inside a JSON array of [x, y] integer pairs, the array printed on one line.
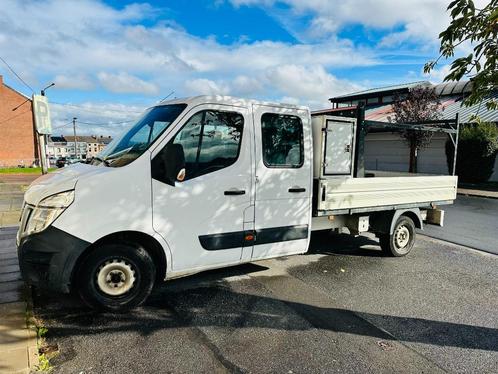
[[355, 195]]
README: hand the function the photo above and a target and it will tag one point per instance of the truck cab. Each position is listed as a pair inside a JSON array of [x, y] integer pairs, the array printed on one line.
[[195, 184]]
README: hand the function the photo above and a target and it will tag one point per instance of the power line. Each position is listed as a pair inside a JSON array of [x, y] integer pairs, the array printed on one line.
[[58, 127], [17, 75], [106, 124]]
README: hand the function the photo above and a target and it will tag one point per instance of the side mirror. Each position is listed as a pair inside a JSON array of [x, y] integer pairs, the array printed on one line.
[[169, 165], [181, 175], [175, 162]]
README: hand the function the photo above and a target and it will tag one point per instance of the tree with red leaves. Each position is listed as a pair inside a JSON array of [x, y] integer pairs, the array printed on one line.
[[420, 104]]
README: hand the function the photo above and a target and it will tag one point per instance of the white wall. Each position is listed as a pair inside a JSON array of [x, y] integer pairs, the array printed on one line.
[[383, 151], [388, 151]]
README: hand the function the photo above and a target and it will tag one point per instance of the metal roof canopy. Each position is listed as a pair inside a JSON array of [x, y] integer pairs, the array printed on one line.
[[375, 92], [452, 127]]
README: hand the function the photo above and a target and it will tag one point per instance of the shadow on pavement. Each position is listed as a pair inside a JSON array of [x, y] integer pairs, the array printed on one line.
[[326, 242], [205, 300]]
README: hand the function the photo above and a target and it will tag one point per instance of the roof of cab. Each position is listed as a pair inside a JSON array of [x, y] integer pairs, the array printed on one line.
[[227, 100]]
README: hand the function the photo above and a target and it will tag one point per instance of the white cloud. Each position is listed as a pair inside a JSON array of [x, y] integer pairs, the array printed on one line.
[[244, 85], [313, 84], [438, 74], [421, 20], [93, 118], [126, 83], [88, 37], [206, 87], [78, 81]]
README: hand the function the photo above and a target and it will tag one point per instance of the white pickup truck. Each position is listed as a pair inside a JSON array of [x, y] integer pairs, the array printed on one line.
[[208, 182]]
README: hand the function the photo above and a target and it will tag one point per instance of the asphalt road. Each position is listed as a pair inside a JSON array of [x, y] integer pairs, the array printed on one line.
[[470, 221], [340, 308]]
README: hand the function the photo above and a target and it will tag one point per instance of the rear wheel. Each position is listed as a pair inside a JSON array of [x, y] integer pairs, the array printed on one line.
[[401, 241], [116, 277]]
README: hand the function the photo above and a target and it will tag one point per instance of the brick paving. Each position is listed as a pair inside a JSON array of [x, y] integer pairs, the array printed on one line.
[[17, 342], [12, 187]]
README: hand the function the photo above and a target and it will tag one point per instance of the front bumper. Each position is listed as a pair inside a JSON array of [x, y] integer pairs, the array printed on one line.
[[47, 259]]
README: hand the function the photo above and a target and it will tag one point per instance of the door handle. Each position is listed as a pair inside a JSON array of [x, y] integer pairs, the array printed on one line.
[[235, 192], [297, 189]]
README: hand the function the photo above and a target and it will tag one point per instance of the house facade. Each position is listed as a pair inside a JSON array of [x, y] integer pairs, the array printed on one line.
[[87, 146], [18, 143]]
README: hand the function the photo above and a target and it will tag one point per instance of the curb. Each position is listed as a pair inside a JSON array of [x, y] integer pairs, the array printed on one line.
[[21, 355], [477, 194], [18, 337]]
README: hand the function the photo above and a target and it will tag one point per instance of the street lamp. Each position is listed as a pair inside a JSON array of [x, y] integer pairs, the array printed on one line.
[[46, 88]]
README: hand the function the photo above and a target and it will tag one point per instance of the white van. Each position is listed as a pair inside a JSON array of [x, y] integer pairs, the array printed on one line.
[[208, 182]]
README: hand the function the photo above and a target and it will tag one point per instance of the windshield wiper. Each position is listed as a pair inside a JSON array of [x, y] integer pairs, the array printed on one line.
[[102, 160]]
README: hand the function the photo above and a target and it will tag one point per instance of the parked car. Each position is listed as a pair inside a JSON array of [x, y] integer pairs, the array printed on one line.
[[72, 161], [61, 162]]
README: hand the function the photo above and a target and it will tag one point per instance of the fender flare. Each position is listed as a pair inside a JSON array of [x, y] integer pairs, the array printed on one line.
[[413, 213], [384, 222]]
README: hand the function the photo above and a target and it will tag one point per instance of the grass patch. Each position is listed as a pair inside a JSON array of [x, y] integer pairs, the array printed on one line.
[[44, 363], [23, 170], [45, 351]]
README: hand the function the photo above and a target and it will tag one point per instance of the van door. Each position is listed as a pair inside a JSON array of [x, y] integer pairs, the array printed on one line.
[[339, 148], [201, 217], [283, 181]]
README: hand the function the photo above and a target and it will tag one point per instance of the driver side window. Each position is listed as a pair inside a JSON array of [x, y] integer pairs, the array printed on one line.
[[210, 140]]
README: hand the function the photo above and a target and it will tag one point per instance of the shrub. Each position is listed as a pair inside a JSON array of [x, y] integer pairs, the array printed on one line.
[[477, 149]]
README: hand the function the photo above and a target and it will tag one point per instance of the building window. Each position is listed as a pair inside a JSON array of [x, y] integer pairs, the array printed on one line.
[[283, 142]]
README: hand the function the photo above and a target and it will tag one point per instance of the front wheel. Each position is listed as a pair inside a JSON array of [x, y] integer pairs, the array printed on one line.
[[116, 277], [401, 241]]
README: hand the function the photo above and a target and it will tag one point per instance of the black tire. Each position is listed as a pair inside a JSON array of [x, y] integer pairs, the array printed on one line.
[[394, 245], [126, 259]]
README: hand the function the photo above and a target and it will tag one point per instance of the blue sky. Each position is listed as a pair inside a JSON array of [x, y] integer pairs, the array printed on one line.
[[111, 59]]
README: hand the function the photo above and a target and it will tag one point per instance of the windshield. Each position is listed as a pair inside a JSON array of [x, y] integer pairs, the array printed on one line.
[[132, 143]]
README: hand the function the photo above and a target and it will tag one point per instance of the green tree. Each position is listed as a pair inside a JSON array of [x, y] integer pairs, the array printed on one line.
[[420, 104], [477, 149], [479, 28]]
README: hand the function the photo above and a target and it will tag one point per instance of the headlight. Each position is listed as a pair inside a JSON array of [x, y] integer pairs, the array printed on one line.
[[47, 211]]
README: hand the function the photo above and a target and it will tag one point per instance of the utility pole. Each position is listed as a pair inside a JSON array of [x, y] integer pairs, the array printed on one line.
[[75, 138]]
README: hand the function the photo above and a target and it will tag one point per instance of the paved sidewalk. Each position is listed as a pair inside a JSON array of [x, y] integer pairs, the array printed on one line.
[[12, 187], [18, 349], [478, 193]]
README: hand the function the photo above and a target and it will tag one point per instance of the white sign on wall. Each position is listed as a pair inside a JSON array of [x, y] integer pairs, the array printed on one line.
[[42, 115]]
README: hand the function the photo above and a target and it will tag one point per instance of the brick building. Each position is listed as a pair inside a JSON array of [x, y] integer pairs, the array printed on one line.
[[18, 144]]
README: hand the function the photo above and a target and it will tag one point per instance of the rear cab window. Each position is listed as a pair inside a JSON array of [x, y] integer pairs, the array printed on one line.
[[283, 140]]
